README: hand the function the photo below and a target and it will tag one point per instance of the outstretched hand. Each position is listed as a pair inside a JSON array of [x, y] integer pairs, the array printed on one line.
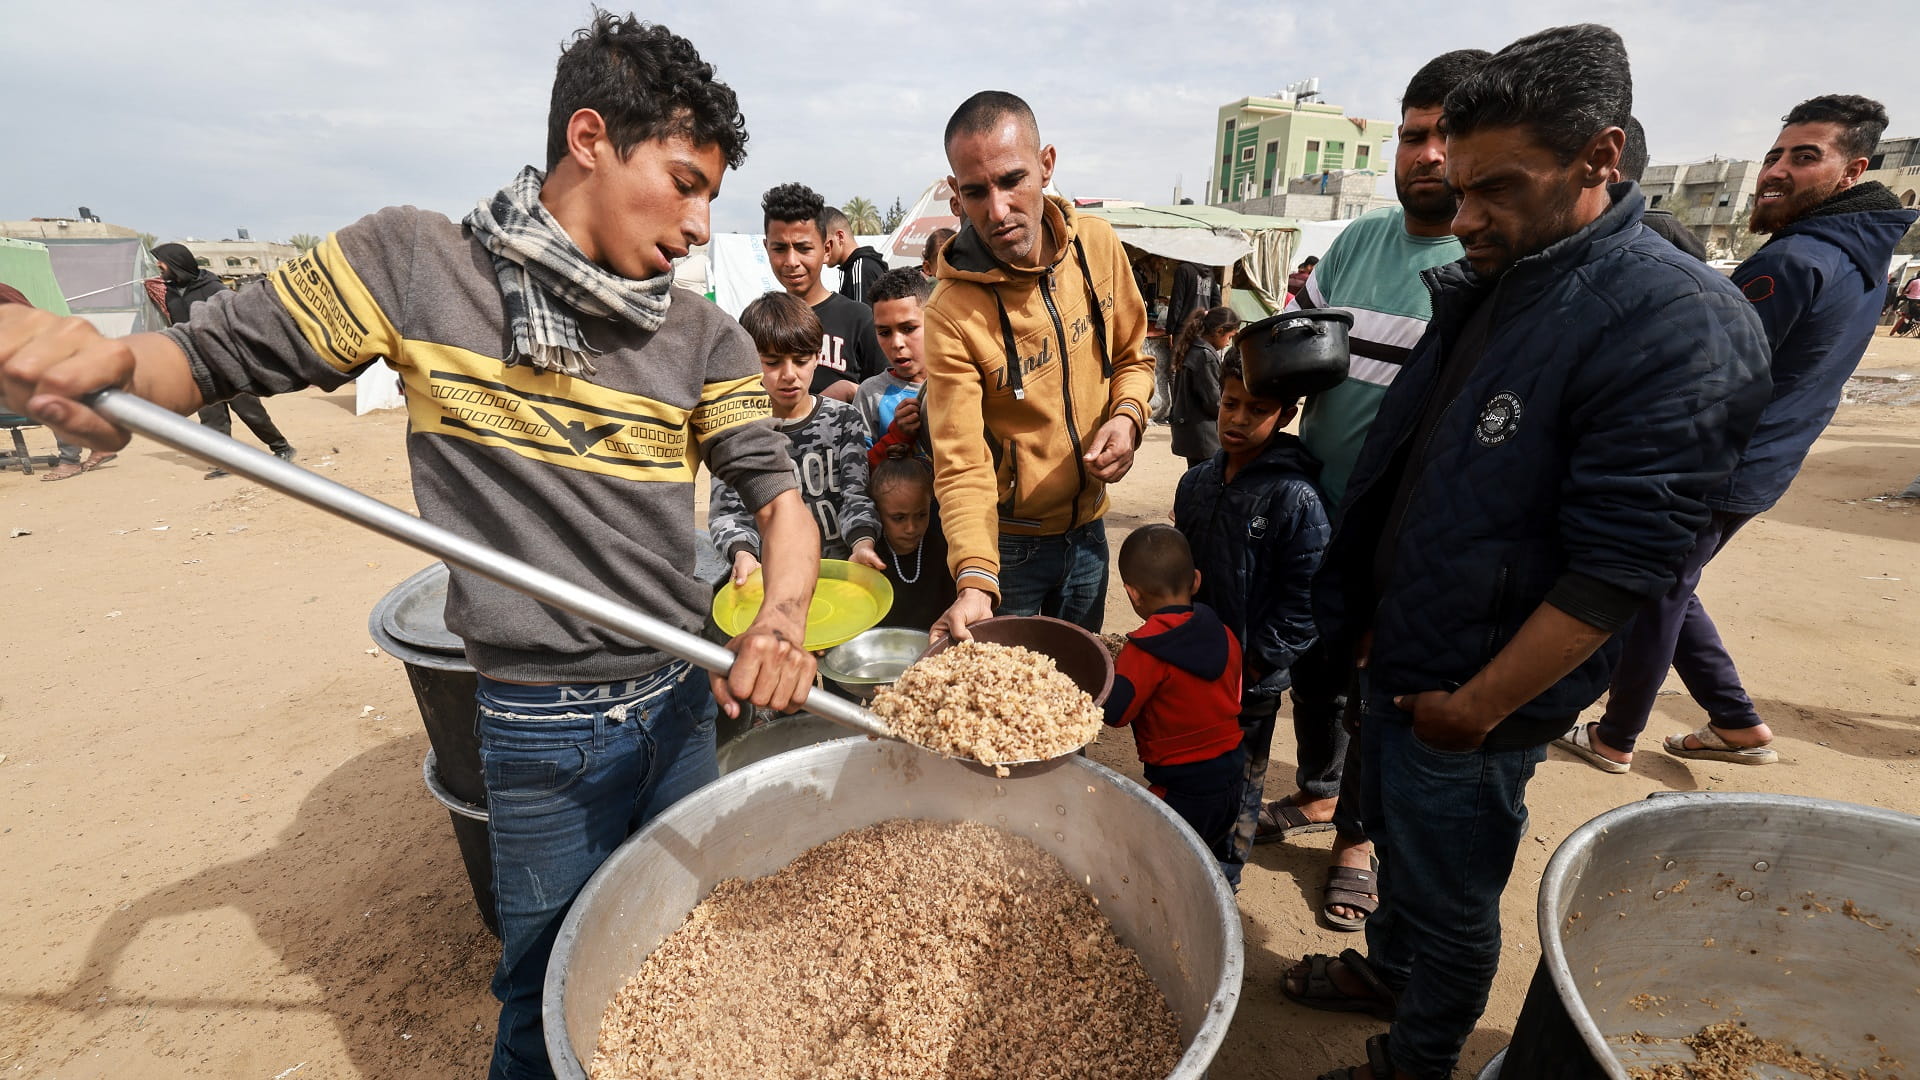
[[47, 362], [1110, 454], [969, 607]]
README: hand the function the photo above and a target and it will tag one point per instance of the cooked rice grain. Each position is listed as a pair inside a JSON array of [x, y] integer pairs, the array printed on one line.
[[905, 949], [992, 703]]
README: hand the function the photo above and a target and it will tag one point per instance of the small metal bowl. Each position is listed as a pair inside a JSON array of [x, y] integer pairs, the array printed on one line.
[[872, 660]]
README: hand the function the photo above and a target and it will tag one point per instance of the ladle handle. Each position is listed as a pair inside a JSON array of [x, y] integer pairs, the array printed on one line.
[[145, 418]]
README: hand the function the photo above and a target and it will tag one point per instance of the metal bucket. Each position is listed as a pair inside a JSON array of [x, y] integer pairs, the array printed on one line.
[[410, 624], [1795, 916], [1161, 888]]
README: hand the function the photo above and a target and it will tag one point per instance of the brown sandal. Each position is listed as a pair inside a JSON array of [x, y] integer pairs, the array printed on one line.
[[1318, 990], [1349, 888], [96, 461], [1377, 1061]]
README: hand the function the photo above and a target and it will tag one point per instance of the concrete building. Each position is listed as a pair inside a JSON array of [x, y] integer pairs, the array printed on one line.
[[1711, 198], [1714, 198], [1896, 163], [1262, 144], [1899, 153], [65, 229], [1330, 196], [240, 258]]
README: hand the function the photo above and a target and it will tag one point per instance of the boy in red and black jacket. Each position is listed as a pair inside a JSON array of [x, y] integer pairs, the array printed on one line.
[[1177, 681]]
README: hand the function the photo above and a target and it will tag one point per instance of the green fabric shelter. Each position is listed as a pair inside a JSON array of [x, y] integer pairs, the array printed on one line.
[[26, 266]]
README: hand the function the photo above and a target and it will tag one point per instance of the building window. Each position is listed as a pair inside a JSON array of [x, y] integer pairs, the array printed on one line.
[[1724, 200], [203, 262], [231, 261], [1246, 155], [252, 261], [1313, 146], [1655, 201], [1907, 199], [1360, 156], [1266, 186], [1229, 125]]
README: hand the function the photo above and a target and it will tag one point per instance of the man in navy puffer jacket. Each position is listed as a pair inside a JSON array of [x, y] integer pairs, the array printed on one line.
[[1536, 474], [1816, 286]]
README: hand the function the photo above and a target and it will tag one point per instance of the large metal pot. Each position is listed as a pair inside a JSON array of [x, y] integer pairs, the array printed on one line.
[[1795, 916], [1161, 888]]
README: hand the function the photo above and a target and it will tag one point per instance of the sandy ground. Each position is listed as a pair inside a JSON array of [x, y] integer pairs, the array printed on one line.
[[221, 861]]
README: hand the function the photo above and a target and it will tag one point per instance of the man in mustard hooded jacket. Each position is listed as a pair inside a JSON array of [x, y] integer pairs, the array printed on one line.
[[1033, 336]]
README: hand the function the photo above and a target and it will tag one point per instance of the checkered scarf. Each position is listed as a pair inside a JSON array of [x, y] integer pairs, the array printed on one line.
[[547, 284]]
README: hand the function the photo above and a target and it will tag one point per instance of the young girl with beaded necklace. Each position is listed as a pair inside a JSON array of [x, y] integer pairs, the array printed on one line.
[[914, 550]]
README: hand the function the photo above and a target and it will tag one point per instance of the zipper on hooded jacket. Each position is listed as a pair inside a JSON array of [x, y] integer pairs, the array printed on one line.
[[1066, 393]]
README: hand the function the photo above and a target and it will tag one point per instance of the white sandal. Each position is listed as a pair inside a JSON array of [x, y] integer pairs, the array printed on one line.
[[1714, 748], [1579, 740]]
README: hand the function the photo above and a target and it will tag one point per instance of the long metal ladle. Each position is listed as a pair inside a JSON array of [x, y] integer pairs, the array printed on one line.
[[143, 417]]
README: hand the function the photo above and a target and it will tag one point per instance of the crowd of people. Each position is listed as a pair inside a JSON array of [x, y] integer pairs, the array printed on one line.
[[1555, 416]]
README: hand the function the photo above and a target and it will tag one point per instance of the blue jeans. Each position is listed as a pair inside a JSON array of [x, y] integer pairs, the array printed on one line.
[[1063, 576], [1446, 826], [571, 772]]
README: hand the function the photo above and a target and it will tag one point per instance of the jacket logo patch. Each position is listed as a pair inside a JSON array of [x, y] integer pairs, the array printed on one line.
[[1257, 528], [1499, 418], [1759, 288]]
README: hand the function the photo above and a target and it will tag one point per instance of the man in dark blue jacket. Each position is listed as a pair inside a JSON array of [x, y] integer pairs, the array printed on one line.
[[1817, 288], [1536, 474]]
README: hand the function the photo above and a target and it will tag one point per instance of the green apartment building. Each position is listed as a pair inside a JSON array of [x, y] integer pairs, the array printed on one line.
[[1261, 143]]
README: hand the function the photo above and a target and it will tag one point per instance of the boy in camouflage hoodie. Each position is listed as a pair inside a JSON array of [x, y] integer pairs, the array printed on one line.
[[828, 444]]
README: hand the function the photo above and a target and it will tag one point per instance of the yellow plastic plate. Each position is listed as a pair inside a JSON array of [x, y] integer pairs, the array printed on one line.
[[849, 600]]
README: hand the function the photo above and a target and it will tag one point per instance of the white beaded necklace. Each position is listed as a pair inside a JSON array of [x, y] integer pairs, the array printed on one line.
[[901, 571]]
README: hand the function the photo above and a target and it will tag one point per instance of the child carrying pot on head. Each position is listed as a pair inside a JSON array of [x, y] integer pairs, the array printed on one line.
[[1257, 531], [915, 550], [1177, 681]]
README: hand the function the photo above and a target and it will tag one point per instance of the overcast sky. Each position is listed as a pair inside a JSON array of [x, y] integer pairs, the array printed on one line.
[[194, 119]]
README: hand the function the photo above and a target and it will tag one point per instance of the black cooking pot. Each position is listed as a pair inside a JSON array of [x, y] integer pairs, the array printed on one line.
[[1295, 353]]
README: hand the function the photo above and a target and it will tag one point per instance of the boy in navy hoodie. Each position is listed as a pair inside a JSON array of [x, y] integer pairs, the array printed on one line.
[[1254, 521], [1177, 681]]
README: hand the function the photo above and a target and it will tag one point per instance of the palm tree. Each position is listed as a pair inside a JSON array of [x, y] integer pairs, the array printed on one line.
[[862, 215], [305, 242]]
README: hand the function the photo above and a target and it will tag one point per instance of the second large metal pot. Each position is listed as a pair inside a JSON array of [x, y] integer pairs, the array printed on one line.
[[1792, 916], [1162, 889]]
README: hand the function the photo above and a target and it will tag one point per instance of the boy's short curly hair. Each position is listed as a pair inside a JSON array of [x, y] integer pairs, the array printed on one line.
[[793, 202], [647, 83], [899, 284]]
